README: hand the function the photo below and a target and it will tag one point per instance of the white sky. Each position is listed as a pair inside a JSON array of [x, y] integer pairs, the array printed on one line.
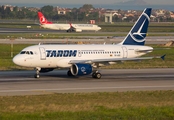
[[161, 2]]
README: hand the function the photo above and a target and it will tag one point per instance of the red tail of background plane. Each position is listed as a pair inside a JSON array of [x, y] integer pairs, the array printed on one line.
[[42, 19]]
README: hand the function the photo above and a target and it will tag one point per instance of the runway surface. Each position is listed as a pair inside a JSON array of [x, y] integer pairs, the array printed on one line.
[[92, 40], [23, 83], [98, 39], [42, 30], [28, 30]]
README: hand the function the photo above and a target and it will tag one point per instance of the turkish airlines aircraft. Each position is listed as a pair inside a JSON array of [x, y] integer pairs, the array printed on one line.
[[68, 27], [86, 59]]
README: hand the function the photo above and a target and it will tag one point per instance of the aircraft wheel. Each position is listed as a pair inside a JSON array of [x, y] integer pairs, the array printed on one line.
[[98, 75], [94, 75], [69, 73], [36, 76]]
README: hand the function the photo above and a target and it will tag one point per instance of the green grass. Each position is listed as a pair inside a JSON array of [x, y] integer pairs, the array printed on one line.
[[151, 105], [6, 56]]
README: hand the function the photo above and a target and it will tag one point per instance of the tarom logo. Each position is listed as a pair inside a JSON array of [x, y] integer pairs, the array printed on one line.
[[83, 69], [138, 36]]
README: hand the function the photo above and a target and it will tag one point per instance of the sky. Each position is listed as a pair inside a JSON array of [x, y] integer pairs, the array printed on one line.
[[152, 2]]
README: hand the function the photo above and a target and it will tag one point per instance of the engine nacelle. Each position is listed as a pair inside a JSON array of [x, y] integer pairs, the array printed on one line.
[[44, 70], [78, 30], [81, 69]]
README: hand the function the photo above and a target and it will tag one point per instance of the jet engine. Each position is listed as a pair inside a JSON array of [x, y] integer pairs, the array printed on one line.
[[79, 69], [78, 30]]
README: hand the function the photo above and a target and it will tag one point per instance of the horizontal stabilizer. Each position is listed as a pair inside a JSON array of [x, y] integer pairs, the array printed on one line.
[[163, 57]]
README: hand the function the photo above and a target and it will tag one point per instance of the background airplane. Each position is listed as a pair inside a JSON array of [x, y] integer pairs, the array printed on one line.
[[68, 27], [86, 59]]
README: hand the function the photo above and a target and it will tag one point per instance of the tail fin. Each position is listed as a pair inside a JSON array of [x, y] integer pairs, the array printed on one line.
[[137, 34], [42, 19]]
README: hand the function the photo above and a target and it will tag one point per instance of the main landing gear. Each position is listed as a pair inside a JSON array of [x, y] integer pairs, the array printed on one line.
[[69, 73], [96, 74], [37, 73]]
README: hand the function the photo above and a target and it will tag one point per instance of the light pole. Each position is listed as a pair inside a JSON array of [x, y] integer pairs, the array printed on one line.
[[77, 17], [11, 48]]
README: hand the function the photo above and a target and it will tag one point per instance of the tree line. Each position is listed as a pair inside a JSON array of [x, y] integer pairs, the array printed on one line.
[[85, 13], [50, 13]]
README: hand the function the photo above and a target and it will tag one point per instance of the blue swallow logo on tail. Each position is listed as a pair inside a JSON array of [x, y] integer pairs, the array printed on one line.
[[137, 34]]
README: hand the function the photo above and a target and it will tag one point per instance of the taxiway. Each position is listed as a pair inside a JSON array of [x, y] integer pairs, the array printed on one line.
[[23, 83]]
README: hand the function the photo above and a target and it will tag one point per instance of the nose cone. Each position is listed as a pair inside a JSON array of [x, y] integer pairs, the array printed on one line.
[[17, 60], [99, 28]]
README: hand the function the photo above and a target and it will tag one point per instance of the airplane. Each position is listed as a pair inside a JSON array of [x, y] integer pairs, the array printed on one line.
[[68, 27], [86, 59]]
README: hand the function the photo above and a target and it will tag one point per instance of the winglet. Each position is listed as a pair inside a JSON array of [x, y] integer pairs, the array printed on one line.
[[163, 57], [137, 34]]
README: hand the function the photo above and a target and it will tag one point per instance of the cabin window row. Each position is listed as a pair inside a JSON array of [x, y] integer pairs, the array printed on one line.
[[111, 52]]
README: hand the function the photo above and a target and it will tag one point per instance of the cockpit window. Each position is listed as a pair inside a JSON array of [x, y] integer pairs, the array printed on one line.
[[23, 52], [26, 52], [31, 52]]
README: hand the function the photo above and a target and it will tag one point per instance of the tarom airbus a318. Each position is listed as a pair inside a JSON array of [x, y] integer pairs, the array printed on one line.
[[86, 59], [67, 27]]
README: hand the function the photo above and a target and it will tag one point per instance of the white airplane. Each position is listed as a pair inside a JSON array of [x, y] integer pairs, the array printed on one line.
[[68, 27], [86, 59]]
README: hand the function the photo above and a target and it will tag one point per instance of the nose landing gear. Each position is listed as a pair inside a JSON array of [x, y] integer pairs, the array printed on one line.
[[37, 72]]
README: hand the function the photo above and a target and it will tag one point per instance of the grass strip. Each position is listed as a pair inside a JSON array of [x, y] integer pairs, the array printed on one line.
[[151, 105]]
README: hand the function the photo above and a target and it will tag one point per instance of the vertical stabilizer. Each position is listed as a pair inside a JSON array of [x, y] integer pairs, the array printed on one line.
[[42, 19], [137, 34]]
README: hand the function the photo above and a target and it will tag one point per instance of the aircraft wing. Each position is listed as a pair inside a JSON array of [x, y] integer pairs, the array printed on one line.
[[90, 61], [150, 50]]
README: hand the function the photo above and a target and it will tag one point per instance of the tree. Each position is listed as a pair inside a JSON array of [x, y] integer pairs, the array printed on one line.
[[87, 7], [5, 12], [20, 15], [15, 9], [48, 11]]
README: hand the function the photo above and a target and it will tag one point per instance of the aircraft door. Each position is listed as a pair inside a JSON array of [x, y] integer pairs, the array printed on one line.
[[79, 53], [42, 53], [124, 52]]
